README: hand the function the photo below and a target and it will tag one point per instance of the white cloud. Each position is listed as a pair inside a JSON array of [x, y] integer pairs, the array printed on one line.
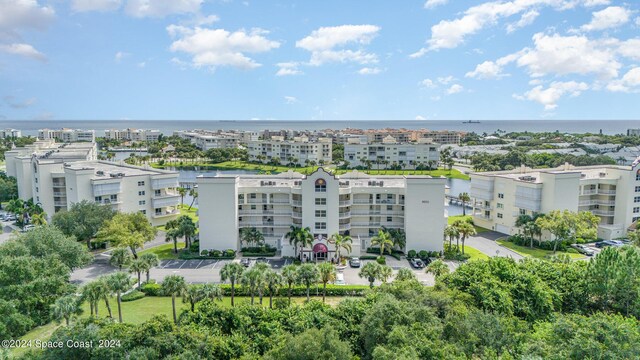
[[120, 55], [630, 49], [628, 82], [420, 117], [430, 4], [444, 80], [23, 50], [454, 89], [527, 19], [19, 14], [589, 3], [161, 8], [369, 71], [288, 68], [219, 47], [428, 83], [638, 21], [610, 17], [448, 34], [322, 44], [290, 100], [12, 102], [95, 5], [550, 96]]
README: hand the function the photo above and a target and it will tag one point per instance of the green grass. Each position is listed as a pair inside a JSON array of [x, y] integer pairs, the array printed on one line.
[[452, 219], [184, 210], [453, 173], [43, 332], [164, 251], [537, 253], [475, 254]]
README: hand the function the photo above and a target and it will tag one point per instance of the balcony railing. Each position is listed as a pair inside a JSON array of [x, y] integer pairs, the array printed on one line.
[[280, 201], [344, 215], [345, 203], [166, 213], [363, 201]]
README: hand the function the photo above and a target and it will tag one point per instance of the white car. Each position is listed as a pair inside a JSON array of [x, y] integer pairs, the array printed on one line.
[[28, 228], [340, 279]]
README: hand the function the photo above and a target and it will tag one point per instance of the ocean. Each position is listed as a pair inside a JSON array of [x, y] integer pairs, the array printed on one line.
[[31, 127]]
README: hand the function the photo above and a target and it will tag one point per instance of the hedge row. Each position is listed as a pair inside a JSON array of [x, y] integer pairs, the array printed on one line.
[[396, 254], [250, 254], [134, 295], [332, 290]]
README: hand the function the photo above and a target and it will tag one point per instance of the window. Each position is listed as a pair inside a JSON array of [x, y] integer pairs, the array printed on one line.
[[142, 202], [144, 211], [321, 201], [500, 206], [98, 198], [499, 215], [389, 196], [636, 199], [637, 188], [37, 181], [636, 210], [635, 218], [158, 192], [637, 177], [500, 196], [140, 183], [523, 212], [389, 219], [37, 190], [321, 185], [114, 197], [321, 213], [252, 196], [389, 207], [158, 211], [141, 193], [321, 225]]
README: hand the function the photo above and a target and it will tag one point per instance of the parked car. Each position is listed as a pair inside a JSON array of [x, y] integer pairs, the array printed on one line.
[[28, 228], [261, 260], [416, 263], [339, 279], [583, 249], [9, 217], [354, 262], [245, 262], [605, 243]]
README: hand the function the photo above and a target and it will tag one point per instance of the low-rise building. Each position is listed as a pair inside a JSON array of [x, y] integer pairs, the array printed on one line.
[[206, 139], [67, 135], [149, 135], [353, 204], [10, 133], [610, 192], [390, 152], [444, 137], [298, 150], [633, 132]]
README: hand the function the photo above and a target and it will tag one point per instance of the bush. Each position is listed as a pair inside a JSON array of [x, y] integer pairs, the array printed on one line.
[[332, 290], [204, 253], [151, 289], [215, 253], [368, 257], [194, 247], [297, 262], [95, 245], [423, 254], [411, 254], [452, 255], [381, 260], [229, 253], [259, 251], [134, 295], [281, 303]]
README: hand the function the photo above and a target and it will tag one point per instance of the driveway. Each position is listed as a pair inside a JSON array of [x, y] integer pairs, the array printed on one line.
[[485, 242]]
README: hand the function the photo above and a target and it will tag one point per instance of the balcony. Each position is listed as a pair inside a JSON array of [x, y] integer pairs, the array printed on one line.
[[589, 192], [296, 203], [296, 214], [596, 202], [166, 201], [362, 201], [344, 227], [280, 201], [257, 201], [603, 212], [166, 194], [166, 213], [606, 192], [59, 203], [345, 203], [109, 202], [366, 224], [344, 215]]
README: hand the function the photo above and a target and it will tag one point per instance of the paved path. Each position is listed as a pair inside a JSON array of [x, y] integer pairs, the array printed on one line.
[[485, 243]]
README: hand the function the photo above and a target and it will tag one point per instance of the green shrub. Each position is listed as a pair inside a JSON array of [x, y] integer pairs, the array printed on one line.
[[229, 253], [381, 260], [151, 289], [134, 295], [281, 303], [215, 253], [368, 257], [423, 254], [204, 253], [195, 247], [411, 254], [332, 290]]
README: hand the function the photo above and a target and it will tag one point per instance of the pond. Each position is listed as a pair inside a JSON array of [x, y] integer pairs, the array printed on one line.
[[456, 186]]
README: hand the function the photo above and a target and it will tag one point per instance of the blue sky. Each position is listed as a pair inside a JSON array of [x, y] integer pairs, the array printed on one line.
[[319, 60]]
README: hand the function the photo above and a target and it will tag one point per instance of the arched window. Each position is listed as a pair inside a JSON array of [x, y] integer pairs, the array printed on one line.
[[321, 185]]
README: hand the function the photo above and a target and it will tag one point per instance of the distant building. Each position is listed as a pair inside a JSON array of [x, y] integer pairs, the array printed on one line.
[[139, 135], [353, 204], [298, 150], [10, 133], [377, 136], [610, 192], [206, 139], [406, 155], [67, 135], [633, 132], [444, 137]]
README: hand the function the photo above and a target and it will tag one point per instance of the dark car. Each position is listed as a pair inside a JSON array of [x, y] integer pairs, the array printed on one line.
[[416, 263], [354, 262], [245, 262], [605, 243], [261, 260]]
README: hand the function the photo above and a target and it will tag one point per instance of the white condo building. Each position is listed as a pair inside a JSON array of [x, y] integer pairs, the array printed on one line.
[[406, 155], [206, 139], [355, 204], [58, 175], [133, 134], [67, 135], [610, 192], [299, 148], [10, 133]]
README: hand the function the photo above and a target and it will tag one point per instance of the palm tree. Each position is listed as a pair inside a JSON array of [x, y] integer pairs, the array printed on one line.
[[192, 294], [211, 291], [262, 269], [120, 257], [437, 268], [294, 237], [172, 234], [38, 219], [138, 266], [465, 229], [187, 229], [150, 260], [182, 192], [327, 274], [233, 273], [341, 242], [65, 307], [273, 281], [307, 275], [251, 280], [465, 198], [385, 273], [306, 238], [119, 282], [290, 276], [451, 232], [105, 292], [92, 294], [173, 284], [194, 195], [405, 274], [370, 271], [634, 237], [251, 236], [383, 239]]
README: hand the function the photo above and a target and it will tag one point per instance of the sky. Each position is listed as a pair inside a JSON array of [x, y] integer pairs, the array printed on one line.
[[319, 60]]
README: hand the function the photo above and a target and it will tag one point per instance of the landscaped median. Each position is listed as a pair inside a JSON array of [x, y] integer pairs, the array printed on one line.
[[536, 252]]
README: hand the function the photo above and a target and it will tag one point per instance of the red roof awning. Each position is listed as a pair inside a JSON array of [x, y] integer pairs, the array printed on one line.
[[320, 248]]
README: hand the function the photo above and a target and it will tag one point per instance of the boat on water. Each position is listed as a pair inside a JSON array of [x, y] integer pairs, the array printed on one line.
[[471, 122]]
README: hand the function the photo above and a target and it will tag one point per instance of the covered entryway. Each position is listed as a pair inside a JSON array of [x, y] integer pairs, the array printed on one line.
[[320, 252]]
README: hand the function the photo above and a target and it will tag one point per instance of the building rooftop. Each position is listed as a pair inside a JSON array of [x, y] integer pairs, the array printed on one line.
[[103, 169]]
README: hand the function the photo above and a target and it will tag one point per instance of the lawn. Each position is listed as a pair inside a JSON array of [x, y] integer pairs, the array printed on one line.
[[164, 251], [475, 254], [537, 253], [453, 173], [241, 165], [184, 210], [452, 219]]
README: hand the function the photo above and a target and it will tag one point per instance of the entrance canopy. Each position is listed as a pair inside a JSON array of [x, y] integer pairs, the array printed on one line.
[[320, 248]]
